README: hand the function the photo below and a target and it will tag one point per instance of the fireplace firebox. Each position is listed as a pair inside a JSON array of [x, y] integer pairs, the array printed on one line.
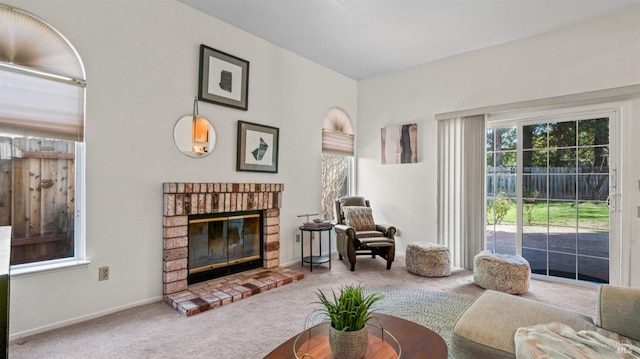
[[224, 243]]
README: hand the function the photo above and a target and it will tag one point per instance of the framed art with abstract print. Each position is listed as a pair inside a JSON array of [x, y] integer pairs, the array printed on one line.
[[257, 148], [399, 144], [224, 79]]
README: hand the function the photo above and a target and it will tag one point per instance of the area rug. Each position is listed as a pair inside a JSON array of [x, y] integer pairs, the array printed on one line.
[[437, 311]]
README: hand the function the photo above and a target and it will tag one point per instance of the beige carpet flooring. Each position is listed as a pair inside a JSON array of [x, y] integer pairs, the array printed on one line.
[[254, 326]]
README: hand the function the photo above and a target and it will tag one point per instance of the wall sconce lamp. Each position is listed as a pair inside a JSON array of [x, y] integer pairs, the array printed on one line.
[[194, 135], [200, 130]]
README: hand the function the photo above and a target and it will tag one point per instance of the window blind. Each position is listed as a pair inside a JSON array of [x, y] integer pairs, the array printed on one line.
[[39, 107], [461, 187], [42, 81], [337, 133]]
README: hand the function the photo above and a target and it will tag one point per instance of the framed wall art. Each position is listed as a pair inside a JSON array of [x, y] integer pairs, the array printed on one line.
[[399, 144], [224, 79], [257, 148]]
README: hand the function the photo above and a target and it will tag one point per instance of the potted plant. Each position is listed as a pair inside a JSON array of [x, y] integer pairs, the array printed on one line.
[[349, 311]]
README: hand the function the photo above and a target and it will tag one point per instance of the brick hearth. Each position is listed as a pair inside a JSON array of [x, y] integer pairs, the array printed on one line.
[[211, 294], [184, 199]]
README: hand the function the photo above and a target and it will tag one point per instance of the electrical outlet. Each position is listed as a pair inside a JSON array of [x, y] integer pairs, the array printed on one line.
[[103, 273], [297, 238]]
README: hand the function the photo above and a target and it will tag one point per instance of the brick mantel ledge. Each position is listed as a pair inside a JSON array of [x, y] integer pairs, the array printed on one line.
[[184, 199]]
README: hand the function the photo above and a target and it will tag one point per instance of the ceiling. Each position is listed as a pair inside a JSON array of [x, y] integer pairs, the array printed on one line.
[[364, 38]]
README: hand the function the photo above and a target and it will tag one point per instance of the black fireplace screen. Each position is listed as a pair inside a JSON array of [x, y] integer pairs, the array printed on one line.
[[222, 245]]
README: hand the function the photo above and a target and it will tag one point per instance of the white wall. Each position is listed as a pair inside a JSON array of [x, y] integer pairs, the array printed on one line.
[[597, 55], [141, 59]]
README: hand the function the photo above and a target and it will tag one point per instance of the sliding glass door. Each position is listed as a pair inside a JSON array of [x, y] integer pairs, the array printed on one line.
[[550, 183]]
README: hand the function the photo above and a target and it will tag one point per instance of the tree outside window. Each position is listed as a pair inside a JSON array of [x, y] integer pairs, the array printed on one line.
[[335, 181]]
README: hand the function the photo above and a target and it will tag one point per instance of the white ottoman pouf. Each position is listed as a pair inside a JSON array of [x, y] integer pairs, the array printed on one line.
[[502, 272], [428, 259]]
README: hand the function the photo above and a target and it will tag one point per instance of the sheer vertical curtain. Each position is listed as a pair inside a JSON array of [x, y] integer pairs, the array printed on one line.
[[461, 185]]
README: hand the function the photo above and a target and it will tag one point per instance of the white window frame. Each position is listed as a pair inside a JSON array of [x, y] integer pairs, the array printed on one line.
[[619, 243], [79, 249], [53, 45]]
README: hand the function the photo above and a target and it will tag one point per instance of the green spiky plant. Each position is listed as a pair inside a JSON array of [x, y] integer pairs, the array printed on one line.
[[350, 310]]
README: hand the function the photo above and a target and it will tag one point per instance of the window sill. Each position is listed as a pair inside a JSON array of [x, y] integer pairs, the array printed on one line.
[[47, 268]]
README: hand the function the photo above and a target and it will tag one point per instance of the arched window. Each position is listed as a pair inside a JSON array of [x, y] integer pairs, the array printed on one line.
[[338, 148], [42, 115], [337, 132]]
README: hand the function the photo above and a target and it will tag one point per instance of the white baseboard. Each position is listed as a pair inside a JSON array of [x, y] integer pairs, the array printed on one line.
[[84, 318]]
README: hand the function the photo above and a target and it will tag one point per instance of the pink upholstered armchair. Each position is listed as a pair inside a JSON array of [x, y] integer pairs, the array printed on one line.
[[358, 234]]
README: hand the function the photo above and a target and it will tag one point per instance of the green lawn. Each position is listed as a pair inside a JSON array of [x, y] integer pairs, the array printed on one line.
[[592, 215]]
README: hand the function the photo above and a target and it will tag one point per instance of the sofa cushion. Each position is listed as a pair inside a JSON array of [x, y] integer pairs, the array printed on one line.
[[487, 328], [369, 234], [376, 241], [614, 305], [360, 218]]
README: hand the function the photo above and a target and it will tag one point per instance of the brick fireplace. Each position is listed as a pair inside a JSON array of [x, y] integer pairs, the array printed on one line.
[[184, 199]]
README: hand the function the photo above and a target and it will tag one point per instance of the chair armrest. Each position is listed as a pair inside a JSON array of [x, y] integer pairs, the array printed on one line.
[[345, 229], [346, 241], [388, 230], [618, 310]]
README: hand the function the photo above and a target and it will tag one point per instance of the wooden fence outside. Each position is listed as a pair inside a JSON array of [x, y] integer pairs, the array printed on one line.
[[560, 182], [37, 187]]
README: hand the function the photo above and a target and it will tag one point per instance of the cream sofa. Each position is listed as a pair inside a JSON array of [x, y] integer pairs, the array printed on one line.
[[487, 328]]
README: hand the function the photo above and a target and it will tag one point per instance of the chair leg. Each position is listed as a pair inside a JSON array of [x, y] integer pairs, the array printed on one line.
[[388, 265], [340, 256], [353, 267]]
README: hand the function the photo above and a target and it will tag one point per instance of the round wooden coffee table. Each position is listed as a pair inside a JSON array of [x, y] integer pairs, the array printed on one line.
[[415, 340]]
